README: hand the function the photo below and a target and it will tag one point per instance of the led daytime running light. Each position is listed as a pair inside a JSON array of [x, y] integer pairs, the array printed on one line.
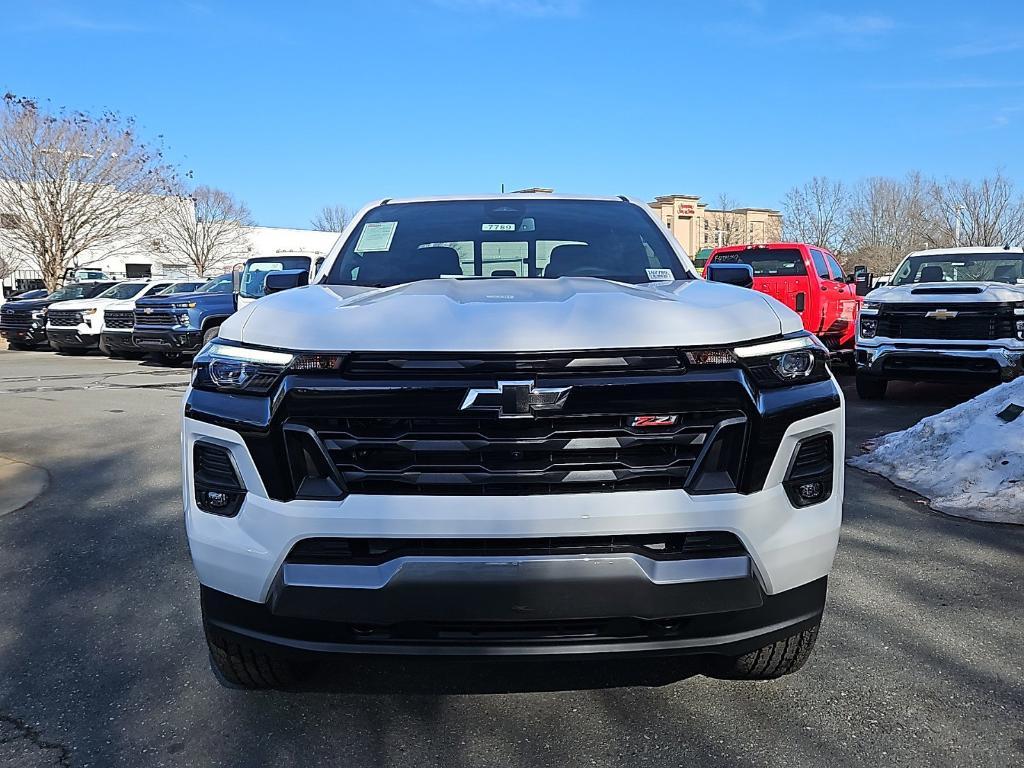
[[777, 347], [249, 355]]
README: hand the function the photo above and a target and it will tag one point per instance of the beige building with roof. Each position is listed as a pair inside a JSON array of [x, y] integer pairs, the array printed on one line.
[[698, 227]]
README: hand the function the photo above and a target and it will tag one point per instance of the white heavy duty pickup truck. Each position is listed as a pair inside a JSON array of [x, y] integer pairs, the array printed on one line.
[[515, 425], [948, 314]]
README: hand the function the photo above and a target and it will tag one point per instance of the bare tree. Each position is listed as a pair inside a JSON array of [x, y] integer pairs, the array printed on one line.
[[10, 261], [986, 212], [889, 218], [724, 225], [72, 182], [331, 218], [206, 228], [817, 213]]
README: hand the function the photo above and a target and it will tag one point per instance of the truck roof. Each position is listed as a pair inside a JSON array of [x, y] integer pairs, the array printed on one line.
[[968, 250], [506, 196]]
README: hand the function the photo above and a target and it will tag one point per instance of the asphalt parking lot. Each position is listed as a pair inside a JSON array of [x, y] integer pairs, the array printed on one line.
[[102, 661]]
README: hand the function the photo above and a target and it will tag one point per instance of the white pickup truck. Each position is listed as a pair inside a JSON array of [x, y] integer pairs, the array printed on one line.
[[75, 327], [516, 425], [948, 314]]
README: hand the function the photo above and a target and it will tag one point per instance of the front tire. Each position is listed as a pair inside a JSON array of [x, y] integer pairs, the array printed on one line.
[[250, 667], [871, 387], [772, 661], [210, 334]]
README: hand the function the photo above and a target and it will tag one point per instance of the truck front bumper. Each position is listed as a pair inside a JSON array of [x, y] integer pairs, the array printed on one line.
[[515, 605], [119, 341], [73, 337], [929, 362], [183, 340], [29, 335]]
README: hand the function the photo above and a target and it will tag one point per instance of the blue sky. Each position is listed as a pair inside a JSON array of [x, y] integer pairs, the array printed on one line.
[[293, 105]]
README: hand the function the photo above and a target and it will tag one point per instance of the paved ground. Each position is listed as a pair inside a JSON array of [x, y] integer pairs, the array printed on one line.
[[102, 662]]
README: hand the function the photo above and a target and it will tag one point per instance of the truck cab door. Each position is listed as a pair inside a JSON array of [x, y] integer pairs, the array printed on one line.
[[827, 294]]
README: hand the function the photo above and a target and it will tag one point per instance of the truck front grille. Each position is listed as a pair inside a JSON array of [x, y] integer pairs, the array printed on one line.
[[63, 318], [156, 317], [121, 319], [480, 456], [981, 321], [15, 320]]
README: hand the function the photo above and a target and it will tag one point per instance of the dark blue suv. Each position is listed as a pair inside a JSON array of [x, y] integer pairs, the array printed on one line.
[[180, 324]]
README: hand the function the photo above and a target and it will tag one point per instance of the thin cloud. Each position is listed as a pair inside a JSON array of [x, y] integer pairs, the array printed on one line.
[[978, 48], [531, 8], [951, 84], [830, 28]]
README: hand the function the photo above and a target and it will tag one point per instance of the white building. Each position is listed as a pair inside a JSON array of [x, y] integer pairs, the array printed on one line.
[[154, 259]]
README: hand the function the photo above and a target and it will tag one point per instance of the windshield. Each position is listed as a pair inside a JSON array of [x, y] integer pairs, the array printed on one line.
[[962, 267], [552, 238], [81, 290], [220, 284], [766, 262], [122, 291], [254, 276], [179, 288]]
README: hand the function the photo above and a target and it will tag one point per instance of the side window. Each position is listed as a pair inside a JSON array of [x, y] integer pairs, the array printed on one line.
[[819, 264], [837, 271]]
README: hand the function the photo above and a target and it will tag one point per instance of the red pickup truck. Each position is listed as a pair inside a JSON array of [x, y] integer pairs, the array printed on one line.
[[806, 278]]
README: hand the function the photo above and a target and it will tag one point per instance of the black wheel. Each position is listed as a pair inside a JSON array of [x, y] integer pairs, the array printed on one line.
[[210, 334], [251, 667], [74, 351], [775, 660], [105, 350], [871, 387]]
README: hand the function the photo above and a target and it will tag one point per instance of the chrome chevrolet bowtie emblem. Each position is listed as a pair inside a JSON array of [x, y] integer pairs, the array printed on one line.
[[515, 399], [941, 314], [148, 310]]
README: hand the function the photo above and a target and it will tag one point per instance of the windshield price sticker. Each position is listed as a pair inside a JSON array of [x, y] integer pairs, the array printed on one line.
[[376, 236], [660, 274], [499, 228]]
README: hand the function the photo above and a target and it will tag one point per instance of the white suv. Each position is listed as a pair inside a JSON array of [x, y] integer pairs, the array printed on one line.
[[512, 425], [75, 327]]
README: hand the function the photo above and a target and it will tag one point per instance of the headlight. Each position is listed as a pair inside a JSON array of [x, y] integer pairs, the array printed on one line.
[[796, 360], [87, 312], [38, 314], [868, 327], [871, 305], [238, 369], [185, 305], [183, 318], [225, 367]]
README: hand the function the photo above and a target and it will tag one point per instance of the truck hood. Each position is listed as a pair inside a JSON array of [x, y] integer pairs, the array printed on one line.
[[947, 293], [120, 305], [80, 304], [508, 315], [181, 298]]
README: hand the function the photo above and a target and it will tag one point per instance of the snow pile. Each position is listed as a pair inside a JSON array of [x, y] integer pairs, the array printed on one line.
[[966, 461]]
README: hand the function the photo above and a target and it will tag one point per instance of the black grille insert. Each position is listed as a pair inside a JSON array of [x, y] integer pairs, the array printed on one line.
[[157, 317], [467, 456], [972, 321], [119, 319], [12, 318], [657, 546], [63, 318]]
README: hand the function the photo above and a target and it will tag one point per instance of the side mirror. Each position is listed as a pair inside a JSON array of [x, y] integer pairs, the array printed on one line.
[[236, 283], [733, 274], [851, 278], [284, 280]]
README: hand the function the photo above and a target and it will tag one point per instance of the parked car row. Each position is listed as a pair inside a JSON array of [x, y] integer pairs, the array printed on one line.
[[169, 318]]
